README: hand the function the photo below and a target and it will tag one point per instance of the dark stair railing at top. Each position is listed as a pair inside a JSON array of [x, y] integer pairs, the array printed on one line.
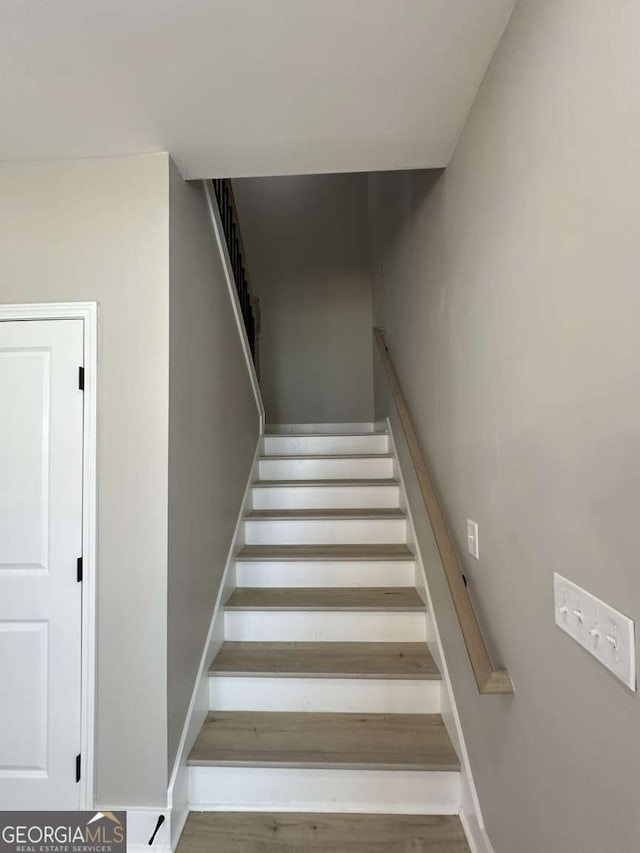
[[249, 304]]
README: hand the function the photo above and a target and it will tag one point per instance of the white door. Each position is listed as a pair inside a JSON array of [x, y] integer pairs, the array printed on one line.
[[41, 412]]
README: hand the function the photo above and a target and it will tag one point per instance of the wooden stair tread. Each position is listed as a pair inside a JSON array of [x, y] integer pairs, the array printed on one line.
[[325, 552], [258, 484], [323, 434], [333, 514], [273, 832], [326, 598], [298, 456], [353, 741], [326, 660]]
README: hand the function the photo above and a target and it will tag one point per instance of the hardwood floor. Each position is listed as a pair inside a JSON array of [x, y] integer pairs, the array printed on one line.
[[267, 514], [241, 832], [325, 552], [328, 660], [322, 456], [269, 484], [326, 598], [321, 740]]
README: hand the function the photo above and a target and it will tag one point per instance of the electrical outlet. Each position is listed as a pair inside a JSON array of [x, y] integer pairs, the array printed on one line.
[[603, 631], [473, 545]]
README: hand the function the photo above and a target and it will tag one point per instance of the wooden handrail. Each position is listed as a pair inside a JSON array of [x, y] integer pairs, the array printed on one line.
[[488, 679]]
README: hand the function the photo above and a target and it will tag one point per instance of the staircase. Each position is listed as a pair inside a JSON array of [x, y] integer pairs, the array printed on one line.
[[324, 730]]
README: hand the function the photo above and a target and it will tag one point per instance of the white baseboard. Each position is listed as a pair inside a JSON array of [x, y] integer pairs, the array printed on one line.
[[476, 834], [178, 793], [470, 813]]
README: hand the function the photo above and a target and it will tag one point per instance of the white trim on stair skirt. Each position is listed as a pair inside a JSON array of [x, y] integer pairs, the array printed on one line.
[[233, 296], [88, 313], [476, 833], [470, 812], [178, 795]]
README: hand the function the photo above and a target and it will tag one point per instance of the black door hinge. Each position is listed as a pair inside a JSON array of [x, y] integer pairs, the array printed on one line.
[[79, 568], [81, 378], [78, 767]]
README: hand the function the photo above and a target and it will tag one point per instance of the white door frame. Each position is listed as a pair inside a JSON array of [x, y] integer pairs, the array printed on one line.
[[88, 313]]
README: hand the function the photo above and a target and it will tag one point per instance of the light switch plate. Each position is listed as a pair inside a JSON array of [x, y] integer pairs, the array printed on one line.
[[473, 545], [602, 630]]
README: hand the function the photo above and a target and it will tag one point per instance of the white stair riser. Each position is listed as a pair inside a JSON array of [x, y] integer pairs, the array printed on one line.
[[316, 445], [322, 574], [326, 497], [367, 468], [331, 626], [309, 790], [324, 695], [323, 429], [329, 531]]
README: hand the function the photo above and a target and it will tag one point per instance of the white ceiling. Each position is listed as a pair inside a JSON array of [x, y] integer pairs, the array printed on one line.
[[244, 87]]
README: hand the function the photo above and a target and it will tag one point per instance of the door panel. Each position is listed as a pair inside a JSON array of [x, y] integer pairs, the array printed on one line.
[[24, 648], [41, 434], [25, 387]]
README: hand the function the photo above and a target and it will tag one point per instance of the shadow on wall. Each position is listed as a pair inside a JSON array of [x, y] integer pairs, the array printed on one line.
[[307, 244]]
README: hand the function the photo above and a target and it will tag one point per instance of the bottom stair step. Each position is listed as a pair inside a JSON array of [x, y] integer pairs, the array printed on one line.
[[324, 740], [242, 832]]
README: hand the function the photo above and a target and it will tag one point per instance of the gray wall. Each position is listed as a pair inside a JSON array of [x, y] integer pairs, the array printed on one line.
[[509, 290], [213, 432], [307, 247], [97, 230]]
